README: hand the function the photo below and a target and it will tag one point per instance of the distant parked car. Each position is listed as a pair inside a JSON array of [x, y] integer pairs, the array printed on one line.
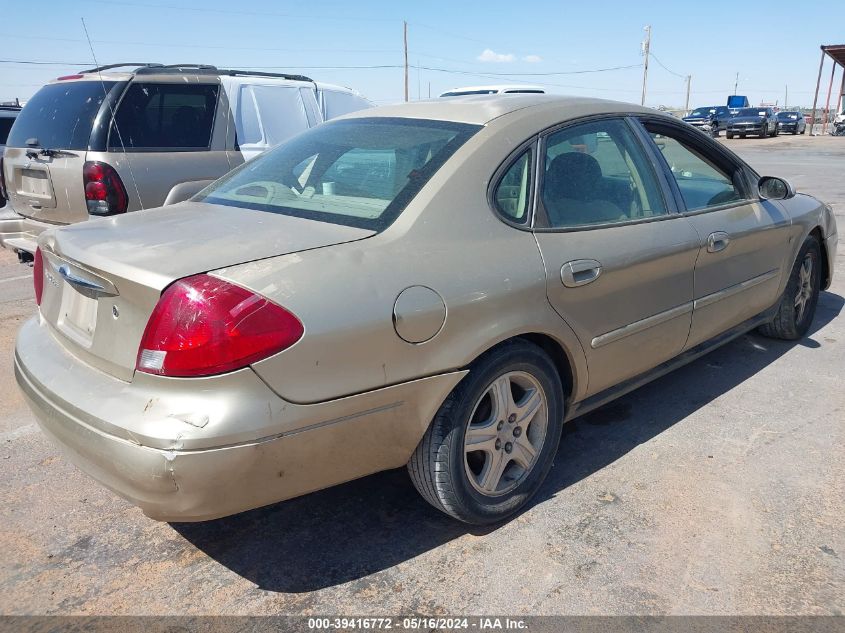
[[759, 121], [714, 117], [493, 90], [174, 130], [8, 114], [791, 121]]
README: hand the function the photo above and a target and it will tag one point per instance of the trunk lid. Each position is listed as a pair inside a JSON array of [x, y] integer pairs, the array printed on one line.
[[103, 278]]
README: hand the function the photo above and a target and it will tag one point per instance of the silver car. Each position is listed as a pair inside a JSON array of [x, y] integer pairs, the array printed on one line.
[[439, 285]]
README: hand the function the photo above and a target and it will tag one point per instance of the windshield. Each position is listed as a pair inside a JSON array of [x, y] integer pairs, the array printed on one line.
[[751, 112], [788, 115], [358, 172], [60, 115], [703, 112]]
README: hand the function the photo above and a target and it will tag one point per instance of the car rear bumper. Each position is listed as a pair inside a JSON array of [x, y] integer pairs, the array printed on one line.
[[18, 233], [183, 463]]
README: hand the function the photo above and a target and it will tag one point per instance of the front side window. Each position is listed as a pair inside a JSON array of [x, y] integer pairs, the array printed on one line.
[[512, 192], [703, 182], [357, 172], [596, 173], [165, 116]]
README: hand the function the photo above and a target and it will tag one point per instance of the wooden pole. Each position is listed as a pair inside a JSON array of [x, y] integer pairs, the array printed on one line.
[[827, 104], [689, 80], [646, 46], [816, 98], [786, 97], [405, 35]]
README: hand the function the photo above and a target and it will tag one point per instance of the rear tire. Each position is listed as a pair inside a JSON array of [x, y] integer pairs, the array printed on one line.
[[494, 439], [798, 302]]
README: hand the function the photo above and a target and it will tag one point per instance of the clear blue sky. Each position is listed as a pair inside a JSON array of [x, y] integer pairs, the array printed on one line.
[[770, 44]]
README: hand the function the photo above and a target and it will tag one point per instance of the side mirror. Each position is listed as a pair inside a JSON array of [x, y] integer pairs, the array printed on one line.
[[773, 188]]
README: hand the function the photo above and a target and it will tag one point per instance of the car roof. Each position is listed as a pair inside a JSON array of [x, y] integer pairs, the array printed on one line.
[[481, 109]]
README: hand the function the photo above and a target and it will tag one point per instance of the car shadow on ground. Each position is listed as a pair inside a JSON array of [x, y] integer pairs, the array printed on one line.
[[362, 527]]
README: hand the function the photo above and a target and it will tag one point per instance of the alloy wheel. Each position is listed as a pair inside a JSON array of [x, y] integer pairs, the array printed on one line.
[[505, 434], [805, 288]]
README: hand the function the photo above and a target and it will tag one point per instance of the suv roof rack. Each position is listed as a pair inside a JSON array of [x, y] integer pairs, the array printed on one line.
[[121, 65], [201, 69]]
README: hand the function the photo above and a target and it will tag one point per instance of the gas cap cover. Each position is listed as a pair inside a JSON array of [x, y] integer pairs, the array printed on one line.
[[418, 314]]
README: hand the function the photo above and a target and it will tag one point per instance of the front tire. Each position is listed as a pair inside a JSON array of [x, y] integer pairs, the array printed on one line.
[[494, 439], [798, 302], [728, 135]]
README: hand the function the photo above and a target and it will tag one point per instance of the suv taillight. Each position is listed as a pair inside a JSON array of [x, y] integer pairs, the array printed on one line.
[[38, 276], [3, 195], [203, 326], [104, 190]]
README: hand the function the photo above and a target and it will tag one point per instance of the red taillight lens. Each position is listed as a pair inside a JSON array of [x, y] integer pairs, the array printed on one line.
[[104, 190], [38, 276], [204, 326]]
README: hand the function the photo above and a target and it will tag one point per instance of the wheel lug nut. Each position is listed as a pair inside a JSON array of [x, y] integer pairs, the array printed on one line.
[[512, 418], [517, 431], [499, 426], [508, 447], [498, 444]]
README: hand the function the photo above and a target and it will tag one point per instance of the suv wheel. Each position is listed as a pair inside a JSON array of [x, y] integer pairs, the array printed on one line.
[[493, 441]]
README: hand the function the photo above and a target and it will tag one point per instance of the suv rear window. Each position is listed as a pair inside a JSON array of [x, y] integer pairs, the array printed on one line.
[[60, 115], [153, 116], [357, 172]]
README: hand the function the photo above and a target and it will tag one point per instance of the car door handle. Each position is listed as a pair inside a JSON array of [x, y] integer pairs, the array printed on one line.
[[717, 241], [579, 272]]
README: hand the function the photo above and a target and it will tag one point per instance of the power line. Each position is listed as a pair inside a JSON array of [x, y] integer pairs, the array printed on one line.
[[660, 63]]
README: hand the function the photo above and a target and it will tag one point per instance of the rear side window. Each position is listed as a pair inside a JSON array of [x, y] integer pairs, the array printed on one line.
[[60, 115], [596, 173], [512, 192], [165, 116]]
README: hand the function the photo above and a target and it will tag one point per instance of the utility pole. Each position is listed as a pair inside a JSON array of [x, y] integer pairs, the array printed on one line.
[[689, 80], [786, 97], [736, 83], [405, 30], [646, 45]]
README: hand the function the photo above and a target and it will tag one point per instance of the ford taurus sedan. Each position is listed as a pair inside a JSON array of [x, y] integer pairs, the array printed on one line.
[[439, 285]]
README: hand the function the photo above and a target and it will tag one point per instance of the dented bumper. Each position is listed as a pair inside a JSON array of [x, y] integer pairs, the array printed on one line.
[[198, 449]]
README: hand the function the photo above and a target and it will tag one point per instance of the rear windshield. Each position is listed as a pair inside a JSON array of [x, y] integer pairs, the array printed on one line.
[[60, 115], [358, 172], [154, 116]]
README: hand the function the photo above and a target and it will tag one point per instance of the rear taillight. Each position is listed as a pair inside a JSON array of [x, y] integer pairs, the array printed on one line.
[[3, 195], [38, 276], [104, 190], [203, 326]]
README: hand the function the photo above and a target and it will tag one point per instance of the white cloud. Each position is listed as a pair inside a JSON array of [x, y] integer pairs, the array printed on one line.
[[488, 55], [532, 59]]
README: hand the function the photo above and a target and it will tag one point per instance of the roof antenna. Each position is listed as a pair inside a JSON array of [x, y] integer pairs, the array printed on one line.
[[111, 111]]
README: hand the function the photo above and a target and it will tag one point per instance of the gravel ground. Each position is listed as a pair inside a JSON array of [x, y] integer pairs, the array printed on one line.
[[719, 489]]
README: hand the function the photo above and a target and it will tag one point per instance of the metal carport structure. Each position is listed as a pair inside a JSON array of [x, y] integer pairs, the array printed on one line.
[[836, 52]]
